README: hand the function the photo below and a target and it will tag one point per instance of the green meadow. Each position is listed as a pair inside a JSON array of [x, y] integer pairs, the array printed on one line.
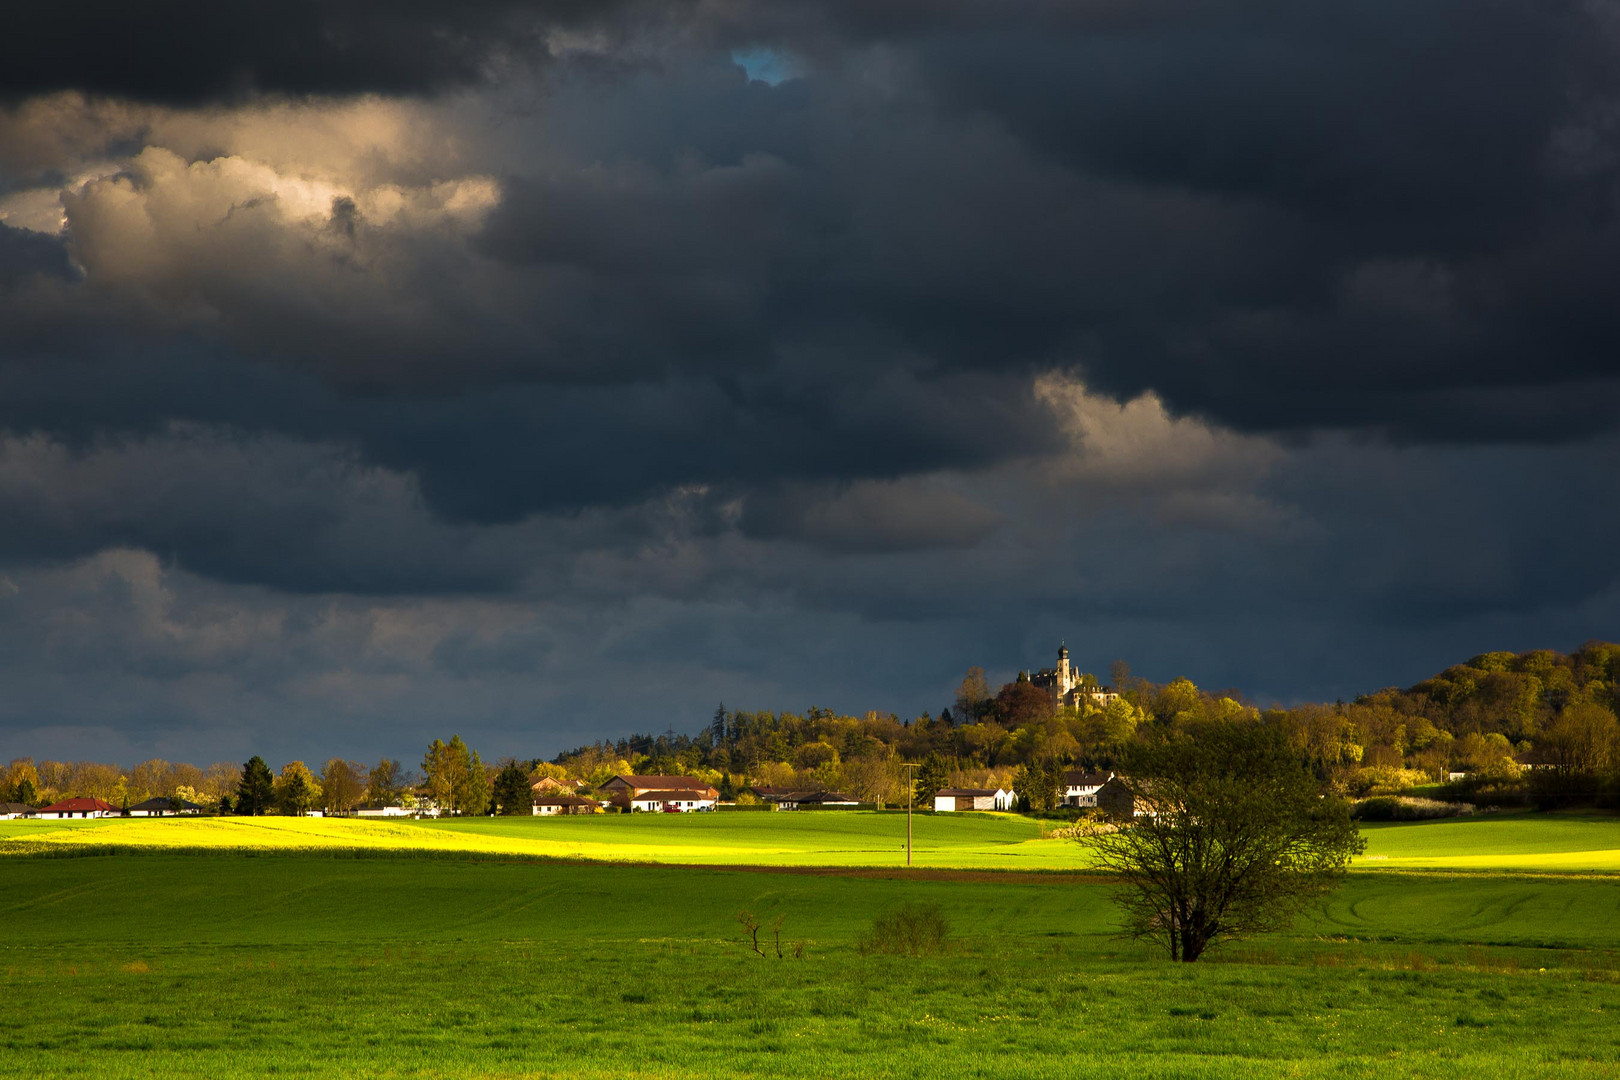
[[422, 962]]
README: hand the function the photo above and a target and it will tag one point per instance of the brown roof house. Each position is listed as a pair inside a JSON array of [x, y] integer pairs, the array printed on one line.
[[680, 800], [659, 793]]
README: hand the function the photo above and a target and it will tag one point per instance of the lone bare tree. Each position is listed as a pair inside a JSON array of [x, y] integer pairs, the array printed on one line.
[[1230, 836]]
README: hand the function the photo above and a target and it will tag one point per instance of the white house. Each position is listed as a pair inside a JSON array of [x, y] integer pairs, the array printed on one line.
[[550, 805], [966, 799], [9, 810], [1006, 799], [383, 811], [77, 808], [678, 801], [1080, 787], [163, 807]]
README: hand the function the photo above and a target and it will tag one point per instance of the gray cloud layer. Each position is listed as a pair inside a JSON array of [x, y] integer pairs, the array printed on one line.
[[1269, 343]]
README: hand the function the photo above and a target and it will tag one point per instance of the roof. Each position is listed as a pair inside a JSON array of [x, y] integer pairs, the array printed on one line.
[[162, 802], [661, 783], [823, 797], [964, 793], [564, 800], [15, 808], [77, 806], [1083, 778], [675, 796]]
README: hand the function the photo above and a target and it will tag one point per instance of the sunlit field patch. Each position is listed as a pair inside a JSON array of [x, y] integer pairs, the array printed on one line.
[[1525, 842]]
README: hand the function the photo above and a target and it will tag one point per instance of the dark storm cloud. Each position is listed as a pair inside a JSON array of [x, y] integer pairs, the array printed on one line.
[[23, 254], [187, 51], [424, 360]]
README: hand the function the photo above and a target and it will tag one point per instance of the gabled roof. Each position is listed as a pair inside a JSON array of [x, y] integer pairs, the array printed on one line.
[[676, 796], [15, 808], [822, 797], [161, 802], [964, 793], [660, 783], [77, 806], [1085, 778], [564, 800]]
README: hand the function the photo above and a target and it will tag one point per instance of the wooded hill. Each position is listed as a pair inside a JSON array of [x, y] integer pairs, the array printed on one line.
[[1490, 718]]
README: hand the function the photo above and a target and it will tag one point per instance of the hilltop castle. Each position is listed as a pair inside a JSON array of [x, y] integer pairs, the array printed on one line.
[[1068, 686]]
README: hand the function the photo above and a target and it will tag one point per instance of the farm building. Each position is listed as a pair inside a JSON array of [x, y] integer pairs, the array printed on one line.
[[11, 810], [680, 800], [974, 799], [77, 808], [550, 805], [1080, 787], [1117, 801], [164, 807], [383, 811]]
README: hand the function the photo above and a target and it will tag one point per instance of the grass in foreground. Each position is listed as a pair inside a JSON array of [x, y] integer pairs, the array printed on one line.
[[166, 965]]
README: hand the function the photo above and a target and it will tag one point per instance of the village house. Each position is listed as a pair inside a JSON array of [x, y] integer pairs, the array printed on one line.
[[551, 805], [1070, 687], [952, 799], [78, 808], [680, 800], [12, 810], [1080, 786], [638, 785], [163, 806]]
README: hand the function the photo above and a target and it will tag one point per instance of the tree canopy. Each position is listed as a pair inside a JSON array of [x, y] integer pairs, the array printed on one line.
[[1230, 835]]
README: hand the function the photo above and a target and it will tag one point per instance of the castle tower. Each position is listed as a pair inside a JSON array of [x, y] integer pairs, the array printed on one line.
[[1065, 677]]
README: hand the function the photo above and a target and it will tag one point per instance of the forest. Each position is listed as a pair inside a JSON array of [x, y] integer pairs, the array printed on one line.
[[1503, 728]]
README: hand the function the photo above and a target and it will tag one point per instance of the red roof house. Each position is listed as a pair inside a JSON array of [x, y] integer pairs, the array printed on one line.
[[77, 808]]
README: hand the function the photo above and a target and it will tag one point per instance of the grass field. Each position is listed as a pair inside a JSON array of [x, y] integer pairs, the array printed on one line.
[[1528, 842], [302, 965]]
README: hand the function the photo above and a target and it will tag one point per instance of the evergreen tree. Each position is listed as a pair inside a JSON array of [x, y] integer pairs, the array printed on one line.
[[513, 795], [256, 793], [933, 774]]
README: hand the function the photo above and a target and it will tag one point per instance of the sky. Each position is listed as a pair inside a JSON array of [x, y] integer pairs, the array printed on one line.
[[374, 370]]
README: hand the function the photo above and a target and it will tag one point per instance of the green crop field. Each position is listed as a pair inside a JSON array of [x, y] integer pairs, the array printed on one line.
[[412, 960]]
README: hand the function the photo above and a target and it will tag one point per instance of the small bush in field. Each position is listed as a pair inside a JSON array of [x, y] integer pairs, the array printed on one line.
[[1406, 808], [912, 929]]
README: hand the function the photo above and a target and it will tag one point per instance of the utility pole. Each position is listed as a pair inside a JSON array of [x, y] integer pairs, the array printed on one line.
[[911, 792]]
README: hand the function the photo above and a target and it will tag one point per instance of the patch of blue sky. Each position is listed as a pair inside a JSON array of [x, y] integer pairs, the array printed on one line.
[[766, 65]]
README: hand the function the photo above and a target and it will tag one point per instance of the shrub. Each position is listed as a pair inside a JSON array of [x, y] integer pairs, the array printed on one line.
[[1385, 780], [912, 929], [1406, 808]]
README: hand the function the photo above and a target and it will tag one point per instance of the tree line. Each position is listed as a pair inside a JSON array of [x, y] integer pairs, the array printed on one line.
[[1538, 726]]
